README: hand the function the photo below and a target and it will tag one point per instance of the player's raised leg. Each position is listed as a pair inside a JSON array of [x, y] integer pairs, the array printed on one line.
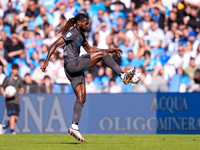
[[104, 55]]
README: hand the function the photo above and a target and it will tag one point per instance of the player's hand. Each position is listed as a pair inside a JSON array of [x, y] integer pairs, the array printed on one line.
[[115, 51], [43, 68]]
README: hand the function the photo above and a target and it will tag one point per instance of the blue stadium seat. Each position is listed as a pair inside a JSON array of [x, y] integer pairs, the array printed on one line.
[[175, 83], [68, 89], [56, 88]]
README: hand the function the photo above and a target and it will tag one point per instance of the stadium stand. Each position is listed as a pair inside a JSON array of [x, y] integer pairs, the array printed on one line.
[[157, 36]]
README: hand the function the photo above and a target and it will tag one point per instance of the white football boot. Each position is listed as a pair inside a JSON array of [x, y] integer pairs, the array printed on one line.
[[126, 77], [1, 129], [76, 134]]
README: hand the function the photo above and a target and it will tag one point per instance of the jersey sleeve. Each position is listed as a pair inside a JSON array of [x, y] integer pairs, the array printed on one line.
[[84, 43], [5, 83], [68, 36]]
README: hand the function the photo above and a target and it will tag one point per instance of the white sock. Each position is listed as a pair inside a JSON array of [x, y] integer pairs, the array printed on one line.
[[122, 76], [74, 126]]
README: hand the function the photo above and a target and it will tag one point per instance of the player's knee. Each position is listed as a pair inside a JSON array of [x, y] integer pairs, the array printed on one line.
[[105, 53], [82, 99], [102, 53]]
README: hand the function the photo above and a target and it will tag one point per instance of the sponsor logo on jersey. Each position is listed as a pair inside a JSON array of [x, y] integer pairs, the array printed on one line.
[[65, 53], [68, 34]]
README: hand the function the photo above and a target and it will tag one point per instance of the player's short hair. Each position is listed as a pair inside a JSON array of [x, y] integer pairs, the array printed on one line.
[[15, 66]]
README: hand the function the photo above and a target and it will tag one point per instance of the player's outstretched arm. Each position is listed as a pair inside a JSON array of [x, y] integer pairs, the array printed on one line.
[[59, 42]]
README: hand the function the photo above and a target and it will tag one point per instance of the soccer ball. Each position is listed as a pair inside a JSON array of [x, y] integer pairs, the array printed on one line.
[[136, 77], [10, 91]]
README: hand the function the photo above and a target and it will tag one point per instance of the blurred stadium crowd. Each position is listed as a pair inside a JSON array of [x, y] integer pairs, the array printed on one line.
[[159, 37]]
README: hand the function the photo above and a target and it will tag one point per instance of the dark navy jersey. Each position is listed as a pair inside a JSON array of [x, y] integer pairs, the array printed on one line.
[[74, 39], [17, 84]]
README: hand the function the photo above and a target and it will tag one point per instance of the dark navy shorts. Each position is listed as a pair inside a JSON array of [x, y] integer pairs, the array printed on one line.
[[75, 69], [12, 109]]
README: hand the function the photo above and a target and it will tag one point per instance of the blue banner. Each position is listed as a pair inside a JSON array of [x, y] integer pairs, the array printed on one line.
[[163, 113]]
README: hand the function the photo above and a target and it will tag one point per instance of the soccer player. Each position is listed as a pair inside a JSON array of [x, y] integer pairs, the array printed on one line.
[[12, 103], [75, 65]]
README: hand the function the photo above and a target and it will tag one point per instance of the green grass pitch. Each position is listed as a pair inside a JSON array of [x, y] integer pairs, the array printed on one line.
[[99, 142]]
